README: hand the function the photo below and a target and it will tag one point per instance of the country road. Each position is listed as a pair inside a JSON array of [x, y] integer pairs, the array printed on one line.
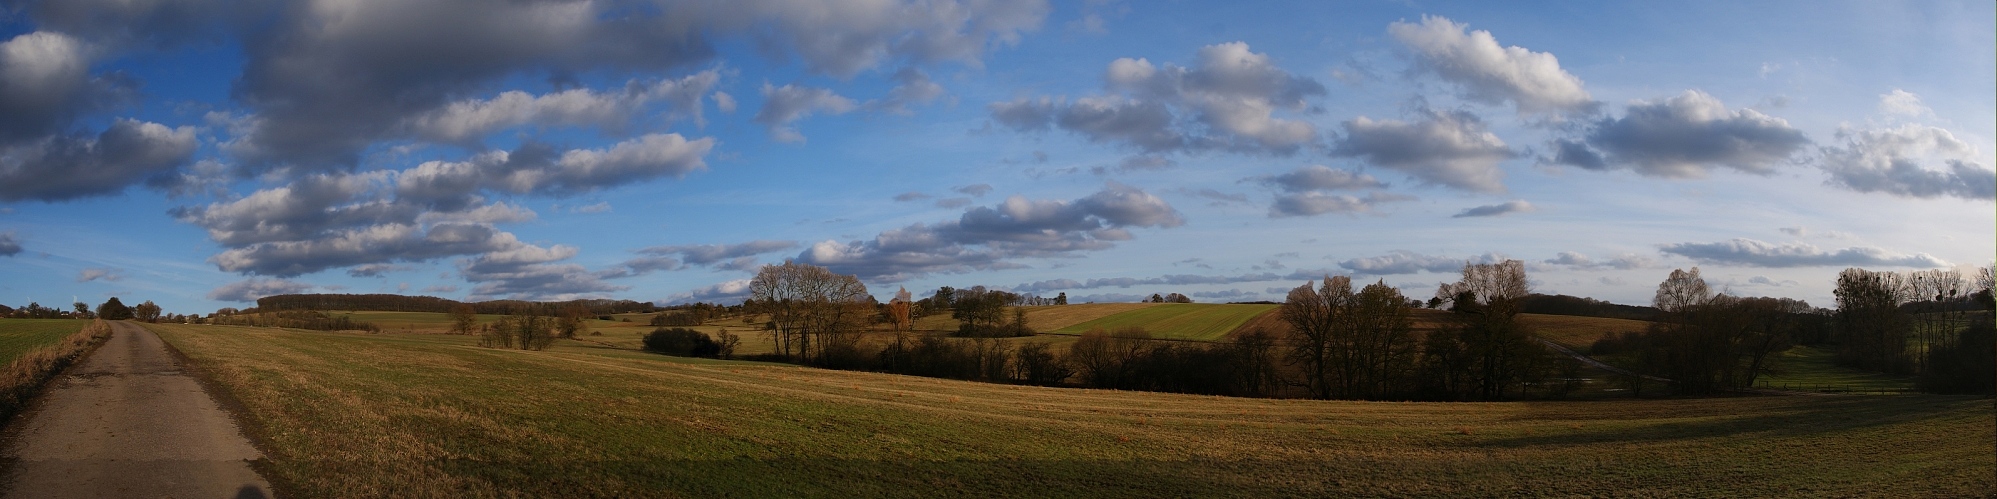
[[128, 421]]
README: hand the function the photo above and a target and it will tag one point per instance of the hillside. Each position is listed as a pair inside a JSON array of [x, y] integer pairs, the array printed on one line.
[[1178, 321], [414, 415]]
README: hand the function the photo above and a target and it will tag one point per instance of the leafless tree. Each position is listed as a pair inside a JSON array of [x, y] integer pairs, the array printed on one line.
[[813, 311]]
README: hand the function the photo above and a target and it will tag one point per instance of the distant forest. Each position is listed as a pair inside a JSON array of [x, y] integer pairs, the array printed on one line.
[[400, 303]]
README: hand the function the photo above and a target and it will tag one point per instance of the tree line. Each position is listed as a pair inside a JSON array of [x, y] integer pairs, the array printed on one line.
[[401, 303], [1933, 323]]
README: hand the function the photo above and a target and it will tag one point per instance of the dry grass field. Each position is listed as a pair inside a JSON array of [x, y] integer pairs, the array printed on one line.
[[359, 415]]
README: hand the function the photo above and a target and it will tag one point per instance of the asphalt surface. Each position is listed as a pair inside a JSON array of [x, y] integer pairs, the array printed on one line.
[[128, 421]]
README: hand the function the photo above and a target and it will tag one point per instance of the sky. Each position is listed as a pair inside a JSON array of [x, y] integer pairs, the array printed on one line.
[[203, 153]]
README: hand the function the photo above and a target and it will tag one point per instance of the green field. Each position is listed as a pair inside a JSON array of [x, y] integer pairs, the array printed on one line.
[[1814, 369], [1177, 321], [347, 414], [18, 336]]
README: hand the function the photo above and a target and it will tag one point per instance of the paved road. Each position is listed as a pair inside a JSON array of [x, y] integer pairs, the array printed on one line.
[[129, 422]]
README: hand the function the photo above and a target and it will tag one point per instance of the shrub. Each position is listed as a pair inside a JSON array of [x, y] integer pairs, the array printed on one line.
[[681, 342]]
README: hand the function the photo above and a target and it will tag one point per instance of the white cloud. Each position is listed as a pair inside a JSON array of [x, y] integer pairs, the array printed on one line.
[[1492, 210], [1915, 161], [785, 105], [1753, 253], [1903, 103], [1685, 136], [1446, 149], [1486, 72]]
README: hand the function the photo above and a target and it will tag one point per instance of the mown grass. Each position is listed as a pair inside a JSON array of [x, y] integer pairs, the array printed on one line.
[[19, 336], [1178, 321], [342, 414]]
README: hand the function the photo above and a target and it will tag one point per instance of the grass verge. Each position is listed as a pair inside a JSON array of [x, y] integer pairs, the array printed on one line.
[[352, 415]]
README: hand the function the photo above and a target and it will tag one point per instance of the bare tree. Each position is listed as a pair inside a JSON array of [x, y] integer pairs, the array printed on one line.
[[1495, 348], [464, 319], [1319, 317], [146, 312], [1872, 330], [812, 310]]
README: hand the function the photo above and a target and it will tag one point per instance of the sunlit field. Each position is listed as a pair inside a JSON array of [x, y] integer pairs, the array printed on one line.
[[19, 336], [352, 414]]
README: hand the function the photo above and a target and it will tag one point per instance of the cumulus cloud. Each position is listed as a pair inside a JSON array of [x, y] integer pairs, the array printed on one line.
[[469, 121], [726, 293], [1450, 149], [1624, 261], [1903, 103], [784, 105], [528, 272], [1685, 136], [1319, 177], [1915, 161], [45, 84], [10, 244], [974, 190], [434, 210], [710, 254], [1126, 282], [1408, 262], [1489, 73], [249, 290], [63, 167], [539, 169], [990, 237], [1753, 253], [376, 270], [912, 87], [327, 83], [1492, 210], [107, 275], [1314, 203], [1226, 101]]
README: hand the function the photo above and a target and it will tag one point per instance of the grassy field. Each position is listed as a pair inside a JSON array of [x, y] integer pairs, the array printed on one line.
[[1178, 321], [1576, 332], [19, 336], [1814, 369], [345, 414], [1043, 318]]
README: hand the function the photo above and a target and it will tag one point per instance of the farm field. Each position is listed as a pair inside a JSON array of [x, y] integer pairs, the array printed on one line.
[[1177, 321], [348, 414], [1577, 332], [1809, 368], [18, 336], [1044, 318]]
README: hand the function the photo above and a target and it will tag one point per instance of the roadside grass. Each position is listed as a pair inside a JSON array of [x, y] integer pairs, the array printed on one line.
[[1177, 321], [346, 414], [1807, 368], [19, 336]]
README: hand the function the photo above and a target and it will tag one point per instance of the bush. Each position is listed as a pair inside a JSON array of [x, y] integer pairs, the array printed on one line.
[[681, 342]]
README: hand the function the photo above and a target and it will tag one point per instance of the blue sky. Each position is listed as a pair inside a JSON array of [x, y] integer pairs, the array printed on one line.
[[202, 153]]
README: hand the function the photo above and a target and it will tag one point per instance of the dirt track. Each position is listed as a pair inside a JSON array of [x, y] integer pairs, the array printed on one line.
[[129, 422]]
